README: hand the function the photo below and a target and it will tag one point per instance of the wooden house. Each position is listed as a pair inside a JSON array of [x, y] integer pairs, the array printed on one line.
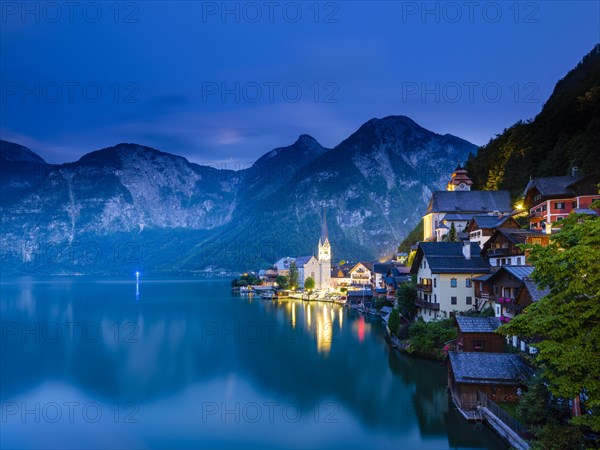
[[480, 228], [502, 248], [498, 375], [478, 334]]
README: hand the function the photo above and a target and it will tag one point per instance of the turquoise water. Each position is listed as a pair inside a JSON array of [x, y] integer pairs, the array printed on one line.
[[185, 364]]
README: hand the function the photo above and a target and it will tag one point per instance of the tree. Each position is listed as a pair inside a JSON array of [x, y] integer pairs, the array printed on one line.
[[394, 321], [309, 283], [452, 235], [282, 282], [567, 319], [293, 276], [407, 294]]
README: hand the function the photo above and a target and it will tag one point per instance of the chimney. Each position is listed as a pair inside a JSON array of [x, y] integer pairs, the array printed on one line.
[[575, 171], [466, 249]]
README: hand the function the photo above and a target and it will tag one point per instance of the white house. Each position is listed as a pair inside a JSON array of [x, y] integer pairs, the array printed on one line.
[[444, 273], [360, 274], [458, 204]]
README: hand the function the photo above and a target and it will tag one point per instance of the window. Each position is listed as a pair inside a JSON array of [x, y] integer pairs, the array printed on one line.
[[434, 298], [435, 282], [453, 282], [560, 205], [544, 208], [468, 282], [478, 344], [574, 204], [519, 261], [469, 300], [453, 300]]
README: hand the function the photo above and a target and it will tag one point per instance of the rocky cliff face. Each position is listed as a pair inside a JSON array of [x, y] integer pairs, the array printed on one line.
[[132, 206]]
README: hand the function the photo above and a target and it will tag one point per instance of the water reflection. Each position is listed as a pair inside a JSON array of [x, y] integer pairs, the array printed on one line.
[[177, 337]]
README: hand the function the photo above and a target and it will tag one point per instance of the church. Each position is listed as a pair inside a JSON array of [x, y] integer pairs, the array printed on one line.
[[319, 267], [458, 204]]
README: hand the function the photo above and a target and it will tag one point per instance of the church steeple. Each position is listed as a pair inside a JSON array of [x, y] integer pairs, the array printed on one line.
[[324, 249], [324, 230], [460, 180]]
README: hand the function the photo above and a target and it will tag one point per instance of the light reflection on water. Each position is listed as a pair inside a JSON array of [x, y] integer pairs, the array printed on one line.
[[168, 357]]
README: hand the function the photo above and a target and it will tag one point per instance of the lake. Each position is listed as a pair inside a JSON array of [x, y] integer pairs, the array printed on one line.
[[91, 363]]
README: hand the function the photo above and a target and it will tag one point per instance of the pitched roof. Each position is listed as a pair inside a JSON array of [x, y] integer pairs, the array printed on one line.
[[519, 272], [514, 235], [381, 268], [487, 221], [456, 216], [534, 289], [488, 368], [448, 257], [468, 324], [469, 201], [548, 186], [302, 260]]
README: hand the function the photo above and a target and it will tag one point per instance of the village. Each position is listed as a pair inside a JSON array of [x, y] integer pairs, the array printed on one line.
[[471, 269]]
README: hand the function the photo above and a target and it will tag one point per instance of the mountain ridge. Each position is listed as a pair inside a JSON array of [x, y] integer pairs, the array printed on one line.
[[186, 217]]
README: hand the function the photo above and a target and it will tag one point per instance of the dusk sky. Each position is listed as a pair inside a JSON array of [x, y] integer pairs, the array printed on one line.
[[224, 87]]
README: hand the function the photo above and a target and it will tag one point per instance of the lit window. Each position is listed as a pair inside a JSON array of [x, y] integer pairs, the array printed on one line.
[[560, 205]]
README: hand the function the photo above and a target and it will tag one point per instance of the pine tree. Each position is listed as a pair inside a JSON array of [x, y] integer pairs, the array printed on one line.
[[452, 235]]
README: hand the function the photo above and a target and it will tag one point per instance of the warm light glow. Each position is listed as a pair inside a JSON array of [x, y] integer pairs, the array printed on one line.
[[519, 206], [294, 315]]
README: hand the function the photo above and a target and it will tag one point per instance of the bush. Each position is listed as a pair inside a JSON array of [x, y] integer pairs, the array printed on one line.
[[430, 337]]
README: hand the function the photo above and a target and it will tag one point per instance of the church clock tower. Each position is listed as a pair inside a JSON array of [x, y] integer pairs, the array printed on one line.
[[324, 257], [460, 180]]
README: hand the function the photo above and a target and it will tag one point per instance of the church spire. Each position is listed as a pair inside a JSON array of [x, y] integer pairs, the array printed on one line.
[[324, 230]]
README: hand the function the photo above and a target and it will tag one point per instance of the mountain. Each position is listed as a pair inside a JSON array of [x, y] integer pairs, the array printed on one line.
[[565, 133], [131, 206]]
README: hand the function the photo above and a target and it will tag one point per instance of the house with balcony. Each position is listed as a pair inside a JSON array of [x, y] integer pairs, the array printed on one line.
[[445, 272], [502, 248], [360, 274], [340, 276], [504, 285], [551, 199], [478, 334], [458, 204], [480, 228]]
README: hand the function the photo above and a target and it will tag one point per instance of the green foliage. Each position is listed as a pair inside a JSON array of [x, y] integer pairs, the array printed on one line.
[[293, 276], [282, 282], [309, 283], [394, 321], [430, 337], [566, 131], [381, 301], [452, 235], [557, 437], [413, 237], [566, 319], [406, 295], [246, 280]]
